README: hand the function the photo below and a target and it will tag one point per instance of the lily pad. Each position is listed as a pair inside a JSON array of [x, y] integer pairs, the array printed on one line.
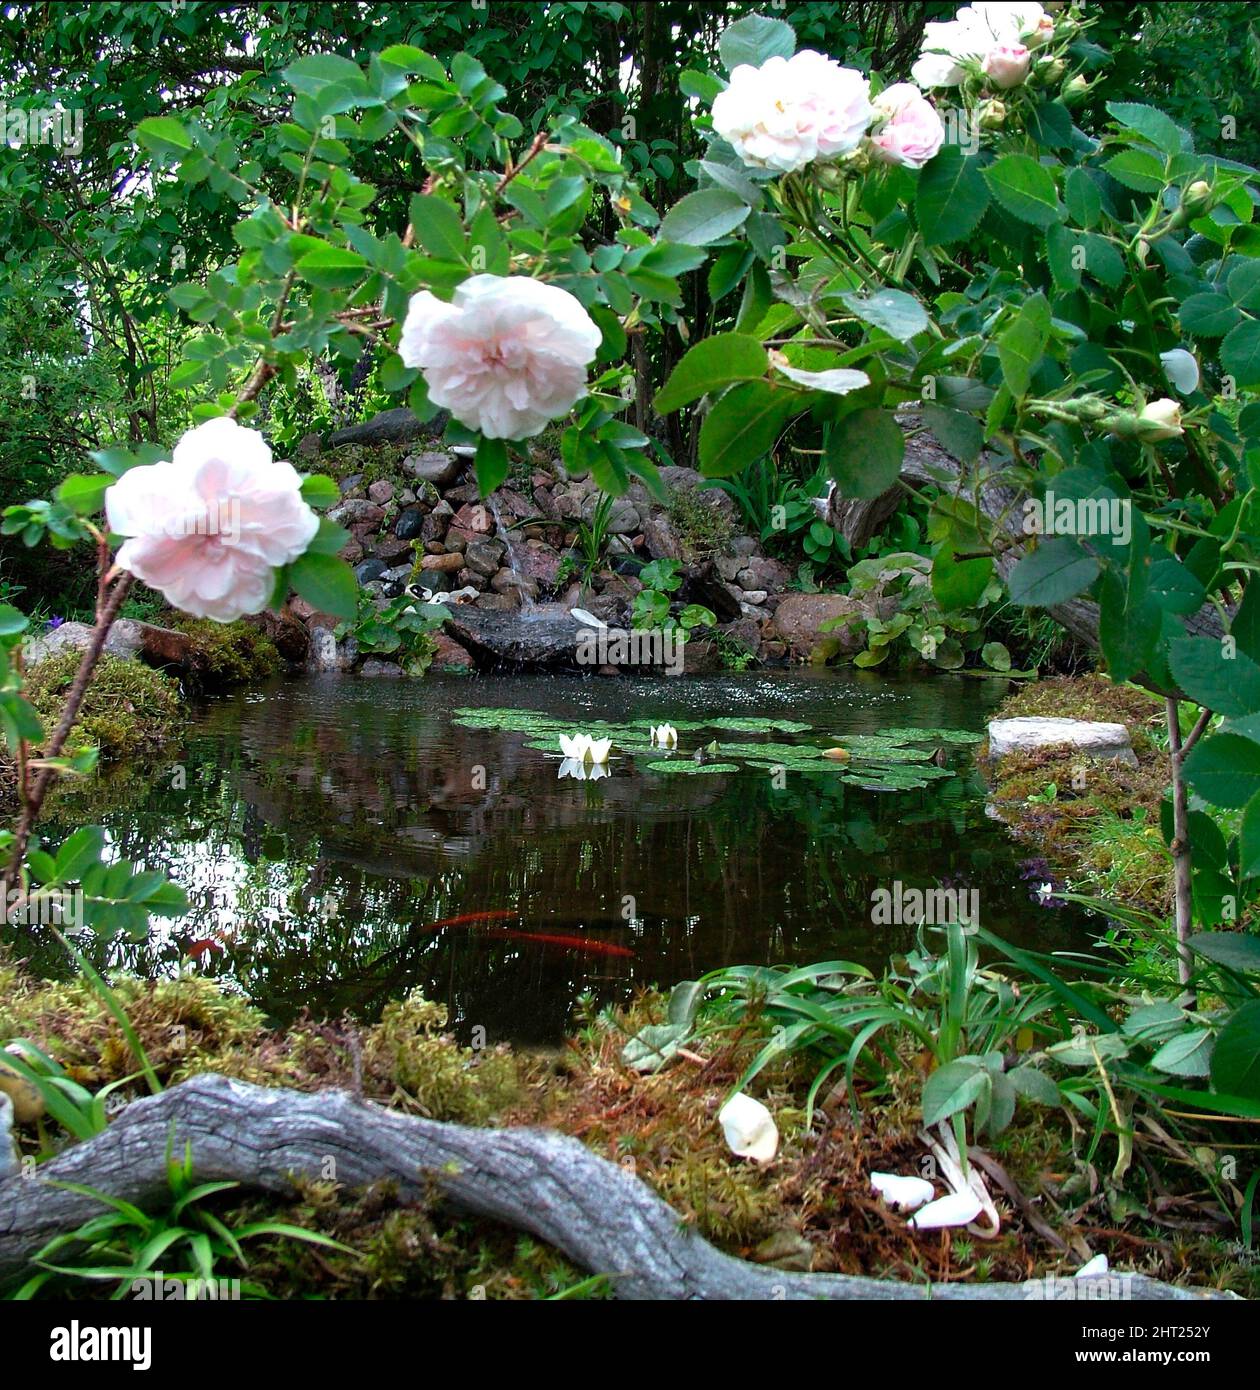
[[689, 766]]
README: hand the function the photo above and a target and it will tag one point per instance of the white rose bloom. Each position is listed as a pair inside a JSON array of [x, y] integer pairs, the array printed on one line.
[[791, 111], [997, 37], [505, 357]]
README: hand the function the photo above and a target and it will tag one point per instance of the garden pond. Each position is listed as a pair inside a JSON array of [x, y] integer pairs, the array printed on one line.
[[345, 840]]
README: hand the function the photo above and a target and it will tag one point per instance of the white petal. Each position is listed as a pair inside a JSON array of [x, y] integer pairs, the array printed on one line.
[[1098, 1265], [954, 1209], [599, 748], [749, 1128], [906, 1193], [573, 747], [1182, 369]]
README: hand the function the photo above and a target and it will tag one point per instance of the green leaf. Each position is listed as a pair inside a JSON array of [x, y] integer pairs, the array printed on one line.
[[1240, 354], [1025, 189], [1208, 314], [754, 39], [12, 620], [326, 583], [1236, 1056], [332, 267], [1056, 571], [79, 852], [1137, 169], [1203, 669], [1084, 201], [491, 465], [959, 584], [1237, 951], [84, 494], [319, 491], [1249, 848], [711, 364], [952, 1088], [1021, 343], [864, 452], [951, 198], [743, 426], [438, 228], [1150, 123], [996, 656], [900, 315], [1224, 769], [1187, 1054], [164, 135], [703, 217]]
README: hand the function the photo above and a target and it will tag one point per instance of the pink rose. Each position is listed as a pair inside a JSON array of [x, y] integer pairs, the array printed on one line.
[[1006, 65], [791, 111], [505, 357], [912, 132], [208, 528]]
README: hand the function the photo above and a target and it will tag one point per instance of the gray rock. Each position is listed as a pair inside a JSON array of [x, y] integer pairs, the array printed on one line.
[[381, 491], [356, 511], [373, 667], [543, 638], [389, 427], [9, 1160], [369, 570], [440, 469], [410, 524], [755, 596], [799, 617], [1089, 737], [484, 556], [351, 485], [128, 639]]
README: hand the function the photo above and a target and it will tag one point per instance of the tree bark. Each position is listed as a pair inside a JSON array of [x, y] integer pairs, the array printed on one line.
[[598, 1215]]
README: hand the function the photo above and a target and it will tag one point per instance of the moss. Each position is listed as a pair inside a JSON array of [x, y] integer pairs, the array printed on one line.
[[129, 709], [702, 528], [1088, 697], [229, 653]]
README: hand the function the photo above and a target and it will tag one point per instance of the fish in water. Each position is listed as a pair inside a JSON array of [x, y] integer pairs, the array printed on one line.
[[573, 943], [467, 919]]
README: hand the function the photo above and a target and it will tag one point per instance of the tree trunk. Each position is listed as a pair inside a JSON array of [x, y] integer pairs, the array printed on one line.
[[598, 1215]]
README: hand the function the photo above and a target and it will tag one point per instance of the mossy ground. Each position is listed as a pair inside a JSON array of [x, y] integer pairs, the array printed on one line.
[[812, 1208], [1102, 830], [230, 653]]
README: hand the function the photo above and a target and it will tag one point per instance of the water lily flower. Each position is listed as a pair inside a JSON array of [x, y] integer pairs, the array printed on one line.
[[579, 771], [749, 1128], [906, 1193], [664, 736], [1182, 369], [954, 1209], [585, 749]]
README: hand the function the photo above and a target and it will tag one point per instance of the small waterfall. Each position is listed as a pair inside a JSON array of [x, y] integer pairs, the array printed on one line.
[[527, 603]]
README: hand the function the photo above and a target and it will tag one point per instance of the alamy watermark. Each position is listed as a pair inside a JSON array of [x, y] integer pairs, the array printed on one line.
[[41, 907], [618, 646], [55, 126], [931, 907], [1079, 516]]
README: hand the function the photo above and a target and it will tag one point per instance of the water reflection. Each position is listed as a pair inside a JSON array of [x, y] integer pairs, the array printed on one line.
[[344, 841]]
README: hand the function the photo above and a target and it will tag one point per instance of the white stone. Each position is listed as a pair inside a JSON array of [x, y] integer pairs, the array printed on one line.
[[1092, 738]]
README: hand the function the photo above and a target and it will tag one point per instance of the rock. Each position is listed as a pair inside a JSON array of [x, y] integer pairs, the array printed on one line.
[[701, 656], [309, 445], [351, 552], [741, 545], [326, 653], [761, 572], [475, 517], [470, 579], [450, 653], [747, 632], [729, 566], [439, 468], [351, 485], [754, 596], [10, 1163], [484, 556], [435, 524], [660, 538], [369, 570], [1089, 737], [381, 491], [774, 651], [546, 638], [372, 667], [356, 511], [499, 603], [703, 584], [508, 581], [290, 636], [410, 524], [540, 562], [391, 549], [447, 564], [799, 617], [389, 427], [129, 639]]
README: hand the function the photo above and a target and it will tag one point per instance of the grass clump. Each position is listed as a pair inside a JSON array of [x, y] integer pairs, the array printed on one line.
[[702, 527]]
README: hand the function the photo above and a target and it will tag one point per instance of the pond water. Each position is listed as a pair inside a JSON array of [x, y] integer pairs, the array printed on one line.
[[346, 838]]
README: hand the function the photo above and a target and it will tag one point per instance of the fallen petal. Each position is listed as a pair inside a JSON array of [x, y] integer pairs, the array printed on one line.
[[749, 1128], [954, 1209], [906, 1193]]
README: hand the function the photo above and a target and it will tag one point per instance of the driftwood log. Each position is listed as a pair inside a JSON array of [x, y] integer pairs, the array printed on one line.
[[600, 1216], [926, 462]]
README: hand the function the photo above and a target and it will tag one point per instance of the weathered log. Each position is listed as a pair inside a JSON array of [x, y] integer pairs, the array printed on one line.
[[925, 461], [600, 1216]]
